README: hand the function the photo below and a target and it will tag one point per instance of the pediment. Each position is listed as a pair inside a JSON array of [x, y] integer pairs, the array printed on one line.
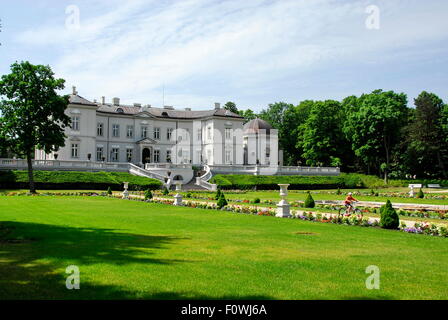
[[147, 141], [144, 114]]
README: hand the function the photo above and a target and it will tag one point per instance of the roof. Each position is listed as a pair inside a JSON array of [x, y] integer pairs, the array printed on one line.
[[255, 125], [77, 99], [167, 113]]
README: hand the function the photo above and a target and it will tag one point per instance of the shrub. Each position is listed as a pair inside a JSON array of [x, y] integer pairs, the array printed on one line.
[[165, 191], [109, 191], [222, 202], [188, 195], [309, 201], [389, 217], [148, 194], [218, 194], [420, 194], [339, 192], [257, 200]]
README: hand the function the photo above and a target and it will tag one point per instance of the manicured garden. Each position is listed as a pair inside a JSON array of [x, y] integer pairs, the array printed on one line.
[[133, 249]]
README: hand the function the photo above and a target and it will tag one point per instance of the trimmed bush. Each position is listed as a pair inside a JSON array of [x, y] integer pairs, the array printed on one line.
[[109, 191], [148, 194], [218, 194], [309, 201], [222, 202], [420, 194], [165, 191], [389, 217], [72, 180], [257, 200]]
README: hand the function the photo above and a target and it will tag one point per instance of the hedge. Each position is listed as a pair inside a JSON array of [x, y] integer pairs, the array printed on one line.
[[72, 180], [343, 181]]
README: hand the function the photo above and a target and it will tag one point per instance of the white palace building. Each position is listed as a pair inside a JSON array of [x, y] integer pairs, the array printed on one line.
[[164, 143]]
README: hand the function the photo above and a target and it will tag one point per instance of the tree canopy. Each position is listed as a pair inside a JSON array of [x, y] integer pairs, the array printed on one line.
[[32, 113]]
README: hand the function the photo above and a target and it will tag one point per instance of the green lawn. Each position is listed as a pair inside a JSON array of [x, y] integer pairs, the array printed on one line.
[[130, 249]]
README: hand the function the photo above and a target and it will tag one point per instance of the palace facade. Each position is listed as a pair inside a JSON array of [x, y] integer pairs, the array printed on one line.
[[113, 132]]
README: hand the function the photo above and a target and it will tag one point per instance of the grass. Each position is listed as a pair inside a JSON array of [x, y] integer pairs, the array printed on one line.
[[130, 249]]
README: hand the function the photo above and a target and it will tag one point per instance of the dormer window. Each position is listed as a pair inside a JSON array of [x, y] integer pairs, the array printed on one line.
[[165, 114], [120, 110]]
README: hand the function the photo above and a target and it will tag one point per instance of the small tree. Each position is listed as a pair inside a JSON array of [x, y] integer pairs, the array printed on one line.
[[109, 191], [218, 194], [257, 200], [339, 192], [222, 202], [165, 191], [389, 217], [420, 194], [32, 113], [148, 194], [309, 201]]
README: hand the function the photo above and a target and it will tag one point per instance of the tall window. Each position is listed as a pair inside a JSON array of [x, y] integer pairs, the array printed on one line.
[[144, 132], [99, 153], [114, 154], [168, 155], [187, 134], [228, 133], [156, 155], [129, 155], [75, 150], [209, 133], [169, 133], [99, 129], [228, 156], [199, 134], [115, 130], [157, 133], [129, 131], [75, 123]]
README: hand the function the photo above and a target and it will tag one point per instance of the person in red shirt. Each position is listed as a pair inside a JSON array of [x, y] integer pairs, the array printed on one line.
[[348, 202]]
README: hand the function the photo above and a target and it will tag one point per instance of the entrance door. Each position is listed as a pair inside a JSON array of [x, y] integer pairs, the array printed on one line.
[[146, 155]]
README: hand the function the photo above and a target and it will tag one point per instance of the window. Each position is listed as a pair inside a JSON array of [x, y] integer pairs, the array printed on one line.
[[228, 133], [156, 155], [99, 153], [228, 156], [169, 133], [115, 130], [187, 134], [157, 133], [268, 152], [129, 131], [209, 133], [114, 154], [99, 129], [75, 150], [199, 134], [144, 132], [75, 123], [129, 155], [168, 155]]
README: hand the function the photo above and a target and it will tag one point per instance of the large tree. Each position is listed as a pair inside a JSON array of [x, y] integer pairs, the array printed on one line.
[[322, 139], [426, 138], [374, 124], [248, 115], [32, 113]]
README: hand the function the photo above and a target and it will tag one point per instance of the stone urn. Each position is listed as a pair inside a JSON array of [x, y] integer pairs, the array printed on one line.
[[125, 194], [178, 196], [283, 208]]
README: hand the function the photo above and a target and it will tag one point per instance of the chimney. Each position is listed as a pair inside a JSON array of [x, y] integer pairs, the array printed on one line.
[[74, 90], [103, 100], [116, 101], [137, 105], [187, 109], [217, 106]]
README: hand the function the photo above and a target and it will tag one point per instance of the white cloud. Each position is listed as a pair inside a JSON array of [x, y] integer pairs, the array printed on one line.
[[133, 49]]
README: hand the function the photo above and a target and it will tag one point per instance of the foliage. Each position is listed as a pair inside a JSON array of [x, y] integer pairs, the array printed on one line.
[[420, 194], [148, 194], [222, 202], [109, 191], [32, 113], [248, 115], [389, 217], [257, 200], [231, 106], [165, 191], [67, 180], [309, 201], [218, 194]]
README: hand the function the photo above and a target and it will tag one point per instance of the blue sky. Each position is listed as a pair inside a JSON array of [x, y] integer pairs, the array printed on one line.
[[251, 52]]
